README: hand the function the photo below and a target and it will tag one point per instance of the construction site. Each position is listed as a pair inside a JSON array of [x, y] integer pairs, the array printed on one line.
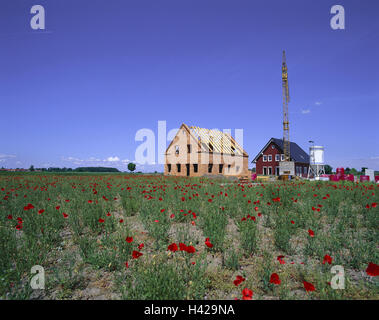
[[198, 151]]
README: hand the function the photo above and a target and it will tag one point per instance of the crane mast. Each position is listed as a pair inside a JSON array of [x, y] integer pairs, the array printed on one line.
[[286, 99]]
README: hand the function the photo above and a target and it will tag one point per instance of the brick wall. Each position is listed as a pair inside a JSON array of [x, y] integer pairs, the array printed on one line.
[[273, 150]]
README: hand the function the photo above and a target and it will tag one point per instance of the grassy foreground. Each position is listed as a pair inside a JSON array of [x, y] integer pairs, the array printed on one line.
[[119, 236]]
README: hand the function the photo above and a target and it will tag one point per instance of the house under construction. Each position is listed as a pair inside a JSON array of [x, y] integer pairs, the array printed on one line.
[[197, 151]]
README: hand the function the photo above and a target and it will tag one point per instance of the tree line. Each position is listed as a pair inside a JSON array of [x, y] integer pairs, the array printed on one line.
[[131, 168]]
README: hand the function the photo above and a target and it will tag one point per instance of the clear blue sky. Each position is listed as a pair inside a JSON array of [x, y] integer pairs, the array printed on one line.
[[77, 92]]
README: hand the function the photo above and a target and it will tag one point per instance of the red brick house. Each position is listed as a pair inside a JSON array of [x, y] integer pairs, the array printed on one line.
[[267, 160]]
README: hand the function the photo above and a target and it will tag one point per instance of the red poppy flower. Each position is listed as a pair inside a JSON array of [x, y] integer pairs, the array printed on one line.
[[191, 249], [372, 269], [28, 207], [293, 222], [193, 223], [327, 259], [89, 201], [208, 243], [126, 264], [275, 279], [105, 198], [108, 214], [57, 207], [19, 227], [374, 204], [136, 254], [172, 247], [141, 246], [311, 233], [162, 210], [101, 220], [182, 246], [280, 259], [247, 294], [10, 217], [41, 211], [67, 200], [121, 220], [308, 286], [65, 215], [239, 280], [129, 239]]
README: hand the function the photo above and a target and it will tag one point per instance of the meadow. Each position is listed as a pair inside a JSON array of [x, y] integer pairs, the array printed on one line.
[[128, 236]]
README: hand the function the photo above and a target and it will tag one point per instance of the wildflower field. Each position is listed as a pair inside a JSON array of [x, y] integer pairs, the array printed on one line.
[[124, 236]]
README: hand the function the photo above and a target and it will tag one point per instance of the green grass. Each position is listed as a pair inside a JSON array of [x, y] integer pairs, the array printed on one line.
[[103, 209]]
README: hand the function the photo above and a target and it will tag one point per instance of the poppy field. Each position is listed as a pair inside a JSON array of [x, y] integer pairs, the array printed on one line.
[[128, 236]]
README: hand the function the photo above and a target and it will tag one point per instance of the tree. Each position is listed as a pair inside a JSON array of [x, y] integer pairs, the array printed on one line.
[[363, 170], [31, 168], [328, 169], [353, 171], [131, 167], [347, 170]]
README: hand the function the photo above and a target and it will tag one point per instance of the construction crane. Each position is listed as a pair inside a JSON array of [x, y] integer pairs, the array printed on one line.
[[286, 99]]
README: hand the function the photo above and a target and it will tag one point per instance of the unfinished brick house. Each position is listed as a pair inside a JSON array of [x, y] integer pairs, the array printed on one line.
[[197, 151]]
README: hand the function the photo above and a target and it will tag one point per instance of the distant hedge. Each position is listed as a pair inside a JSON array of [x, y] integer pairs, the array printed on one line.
[[96, 169]]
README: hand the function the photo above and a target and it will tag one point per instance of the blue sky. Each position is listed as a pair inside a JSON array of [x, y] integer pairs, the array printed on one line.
[[77, 92]]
